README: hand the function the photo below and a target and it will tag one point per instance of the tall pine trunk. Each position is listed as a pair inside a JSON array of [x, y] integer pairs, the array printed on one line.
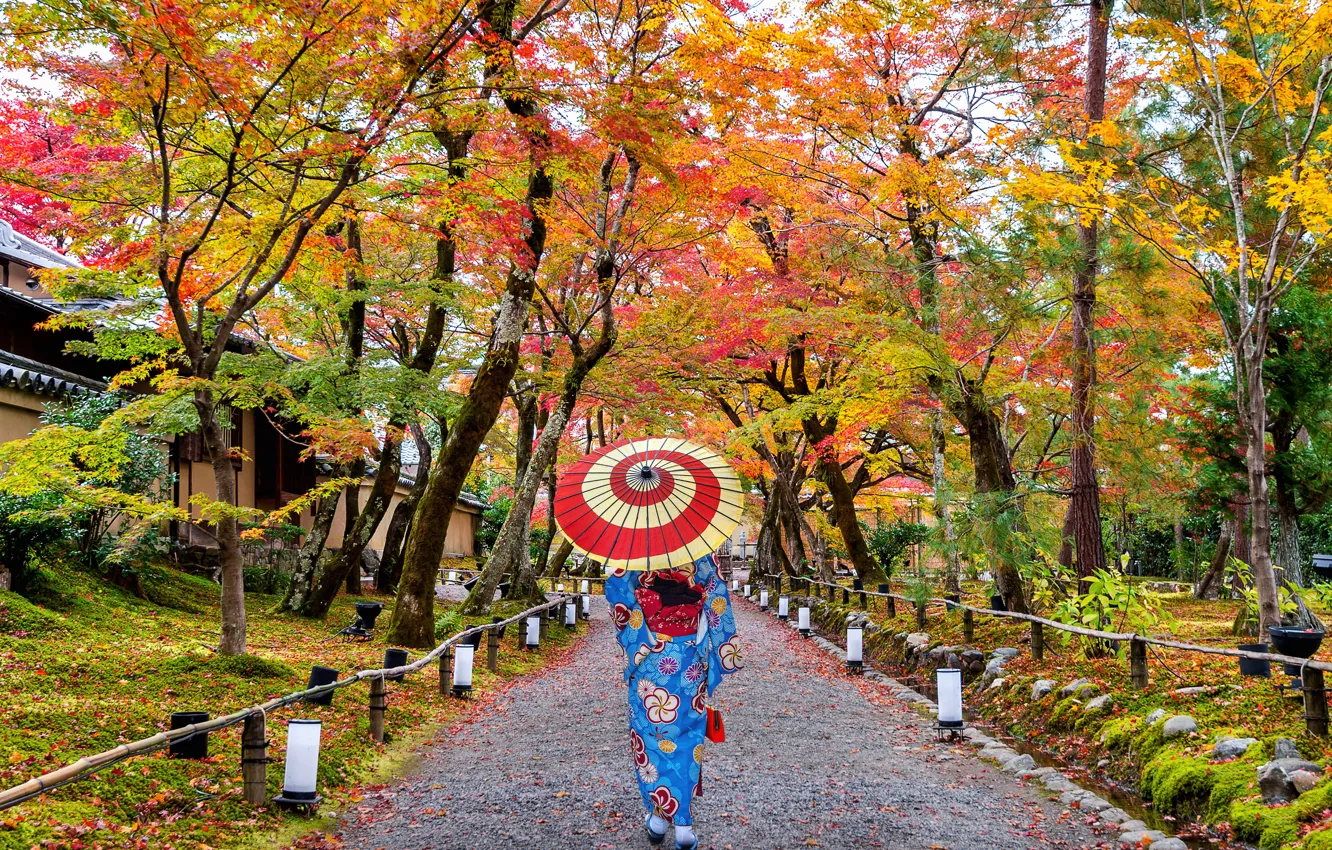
[[1083, 523]]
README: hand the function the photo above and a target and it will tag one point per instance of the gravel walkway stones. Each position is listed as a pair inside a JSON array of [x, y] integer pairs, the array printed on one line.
[[812, 759]]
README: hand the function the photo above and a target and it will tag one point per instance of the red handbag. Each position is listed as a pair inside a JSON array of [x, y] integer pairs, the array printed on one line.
[[716, 730]]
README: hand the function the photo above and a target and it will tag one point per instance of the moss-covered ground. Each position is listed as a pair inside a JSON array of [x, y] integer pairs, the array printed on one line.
[[1176, 777], [85, 666]]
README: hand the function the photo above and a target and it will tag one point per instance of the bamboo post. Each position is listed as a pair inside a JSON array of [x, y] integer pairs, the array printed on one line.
[[254, 758], [445, 671], [378, 704], [1037, 641], [968, 626], [1315, 702], [1137, 663], [492, 650]]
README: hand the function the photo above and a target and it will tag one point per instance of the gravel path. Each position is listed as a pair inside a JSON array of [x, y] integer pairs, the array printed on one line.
[[812, 759]]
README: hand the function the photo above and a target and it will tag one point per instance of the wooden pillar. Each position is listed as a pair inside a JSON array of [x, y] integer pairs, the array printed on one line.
[[1315, 702], [379, 702], [1037, 641], [1138, 664], [522, 632], [892, 607], [777, 584], [445, 672], [920, 615], [492, 650], [968, 625], [846, 595], [544, 629], [254, 759]]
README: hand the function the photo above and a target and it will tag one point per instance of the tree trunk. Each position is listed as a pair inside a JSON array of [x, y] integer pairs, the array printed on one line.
[[413, 622], [1209, 586], [942, 515], [352, 570], [1288, 546], [1001, 517], [1284, 431], [512, 552], [344, 565], [561, 558], [310, 556], [1260, 522], [543, 563], [788, 513], [769, 559], [1083, 524], [390, 564], [225, 530]]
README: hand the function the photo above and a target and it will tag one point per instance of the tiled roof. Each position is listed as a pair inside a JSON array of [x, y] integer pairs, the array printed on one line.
[[30, 376], [35, 254]]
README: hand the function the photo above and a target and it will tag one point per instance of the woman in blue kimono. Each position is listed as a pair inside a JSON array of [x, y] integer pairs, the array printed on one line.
[[678, 633]]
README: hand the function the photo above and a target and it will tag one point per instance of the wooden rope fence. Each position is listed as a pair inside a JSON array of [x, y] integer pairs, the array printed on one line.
[[1311, 672], [254, 744]]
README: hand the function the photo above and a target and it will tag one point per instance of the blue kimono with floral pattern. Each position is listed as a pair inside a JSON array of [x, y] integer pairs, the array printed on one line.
[[674, 665]]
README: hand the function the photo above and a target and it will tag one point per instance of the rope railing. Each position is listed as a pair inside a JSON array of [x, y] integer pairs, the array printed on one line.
[[1311, 671], [255, 718]]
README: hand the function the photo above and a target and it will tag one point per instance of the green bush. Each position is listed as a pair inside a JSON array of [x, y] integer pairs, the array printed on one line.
[[267, 580]]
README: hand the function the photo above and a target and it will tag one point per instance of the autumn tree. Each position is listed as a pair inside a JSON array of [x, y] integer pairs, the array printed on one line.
[[1237, 197], [243, 127]]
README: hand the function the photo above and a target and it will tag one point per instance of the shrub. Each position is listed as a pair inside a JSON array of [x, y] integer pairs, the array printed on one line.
[[269, 580]]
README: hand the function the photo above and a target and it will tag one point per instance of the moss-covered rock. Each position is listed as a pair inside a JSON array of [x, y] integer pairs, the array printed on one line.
[[1118, 734], [1268, 828], [1066, 713], [1148, 741]]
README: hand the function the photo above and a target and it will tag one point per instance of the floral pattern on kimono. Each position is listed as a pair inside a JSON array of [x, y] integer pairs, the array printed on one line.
[[670, 679]]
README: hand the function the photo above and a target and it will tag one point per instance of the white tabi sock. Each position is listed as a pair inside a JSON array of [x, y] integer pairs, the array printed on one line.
[[658, 824], [684, 836]]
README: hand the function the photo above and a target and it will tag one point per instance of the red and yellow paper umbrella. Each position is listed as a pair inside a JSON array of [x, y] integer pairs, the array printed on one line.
[[652, 504]]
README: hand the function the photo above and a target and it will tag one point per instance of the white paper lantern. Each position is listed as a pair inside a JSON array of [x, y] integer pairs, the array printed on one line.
[[949, 680], [302, 768], [533, 631], [783, 607], [570, 613], [746, 593], [587, 607], [463, 656], [763, 600], [453, 575], [583, 586], [559, 588], [855, 649], [802, 620], [735, 585]]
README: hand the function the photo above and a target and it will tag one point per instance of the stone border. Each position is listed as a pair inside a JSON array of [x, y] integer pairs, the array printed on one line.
[[1132, 832]]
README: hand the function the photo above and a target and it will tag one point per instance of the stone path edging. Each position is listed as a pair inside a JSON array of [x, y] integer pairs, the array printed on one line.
[[1132, 832]]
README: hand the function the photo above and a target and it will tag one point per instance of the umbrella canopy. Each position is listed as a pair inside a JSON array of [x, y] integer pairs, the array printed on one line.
[[653, 504]]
